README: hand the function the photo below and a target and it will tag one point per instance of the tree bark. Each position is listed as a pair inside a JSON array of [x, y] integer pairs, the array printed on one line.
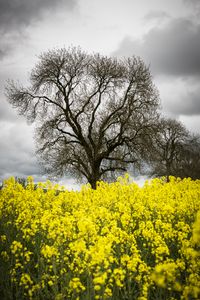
[[93, 184]]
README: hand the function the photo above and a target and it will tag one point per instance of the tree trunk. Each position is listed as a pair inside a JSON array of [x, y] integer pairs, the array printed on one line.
[[95, 176], [93, 184], [168, 170], [93, 179]]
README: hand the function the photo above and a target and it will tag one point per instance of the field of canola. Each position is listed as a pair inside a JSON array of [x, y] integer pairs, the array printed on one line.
[[120, 241]]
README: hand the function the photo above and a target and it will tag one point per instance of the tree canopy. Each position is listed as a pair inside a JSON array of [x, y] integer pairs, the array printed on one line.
[[175, 151], [94, 114]]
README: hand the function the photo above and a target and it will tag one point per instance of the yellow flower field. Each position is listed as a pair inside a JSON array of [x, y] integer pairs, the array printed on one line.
[[120, 241]]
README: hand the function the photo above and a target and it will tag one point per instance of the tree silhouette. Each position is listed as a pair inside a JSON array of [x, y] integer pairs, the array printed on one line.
[[94, 113], [175, 151]]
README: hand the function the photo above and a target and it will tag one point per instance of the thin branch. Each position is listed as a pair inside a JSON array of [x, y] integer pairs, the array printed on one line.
[[112, 169]]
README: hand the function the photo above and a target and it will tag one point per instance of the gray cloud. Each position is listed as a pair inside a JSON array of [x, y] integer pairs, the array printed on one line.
[[192, 123], [191, 103], [172, 49], [17, 156], [16, 152], [193, 3], [156, 15], [7, 113], [16, 15], [187, 104]]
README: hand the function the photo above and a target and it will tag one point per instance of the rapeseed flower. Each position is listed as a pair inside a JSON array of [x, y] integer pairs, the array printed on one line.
[[120, 241]]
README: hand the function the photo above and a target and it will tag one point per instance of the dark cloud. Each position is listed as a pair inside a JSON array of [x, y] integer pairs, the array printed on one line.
[[172, 49], [17, 13]]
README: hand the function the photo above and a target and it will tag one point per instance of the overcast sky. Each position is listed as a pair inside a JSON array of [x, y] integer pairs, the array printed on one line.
[[165, 33]]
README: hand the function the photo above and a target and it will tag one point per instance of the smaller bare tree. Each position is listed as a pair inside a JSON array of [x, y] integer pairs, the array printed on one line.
[[188, 164], [169, 141]]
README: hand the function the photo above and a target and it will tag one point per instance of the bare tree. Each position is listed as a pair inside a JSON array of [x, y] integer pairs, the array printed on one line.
[[169, 142], [94, 113], [188, 164]]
